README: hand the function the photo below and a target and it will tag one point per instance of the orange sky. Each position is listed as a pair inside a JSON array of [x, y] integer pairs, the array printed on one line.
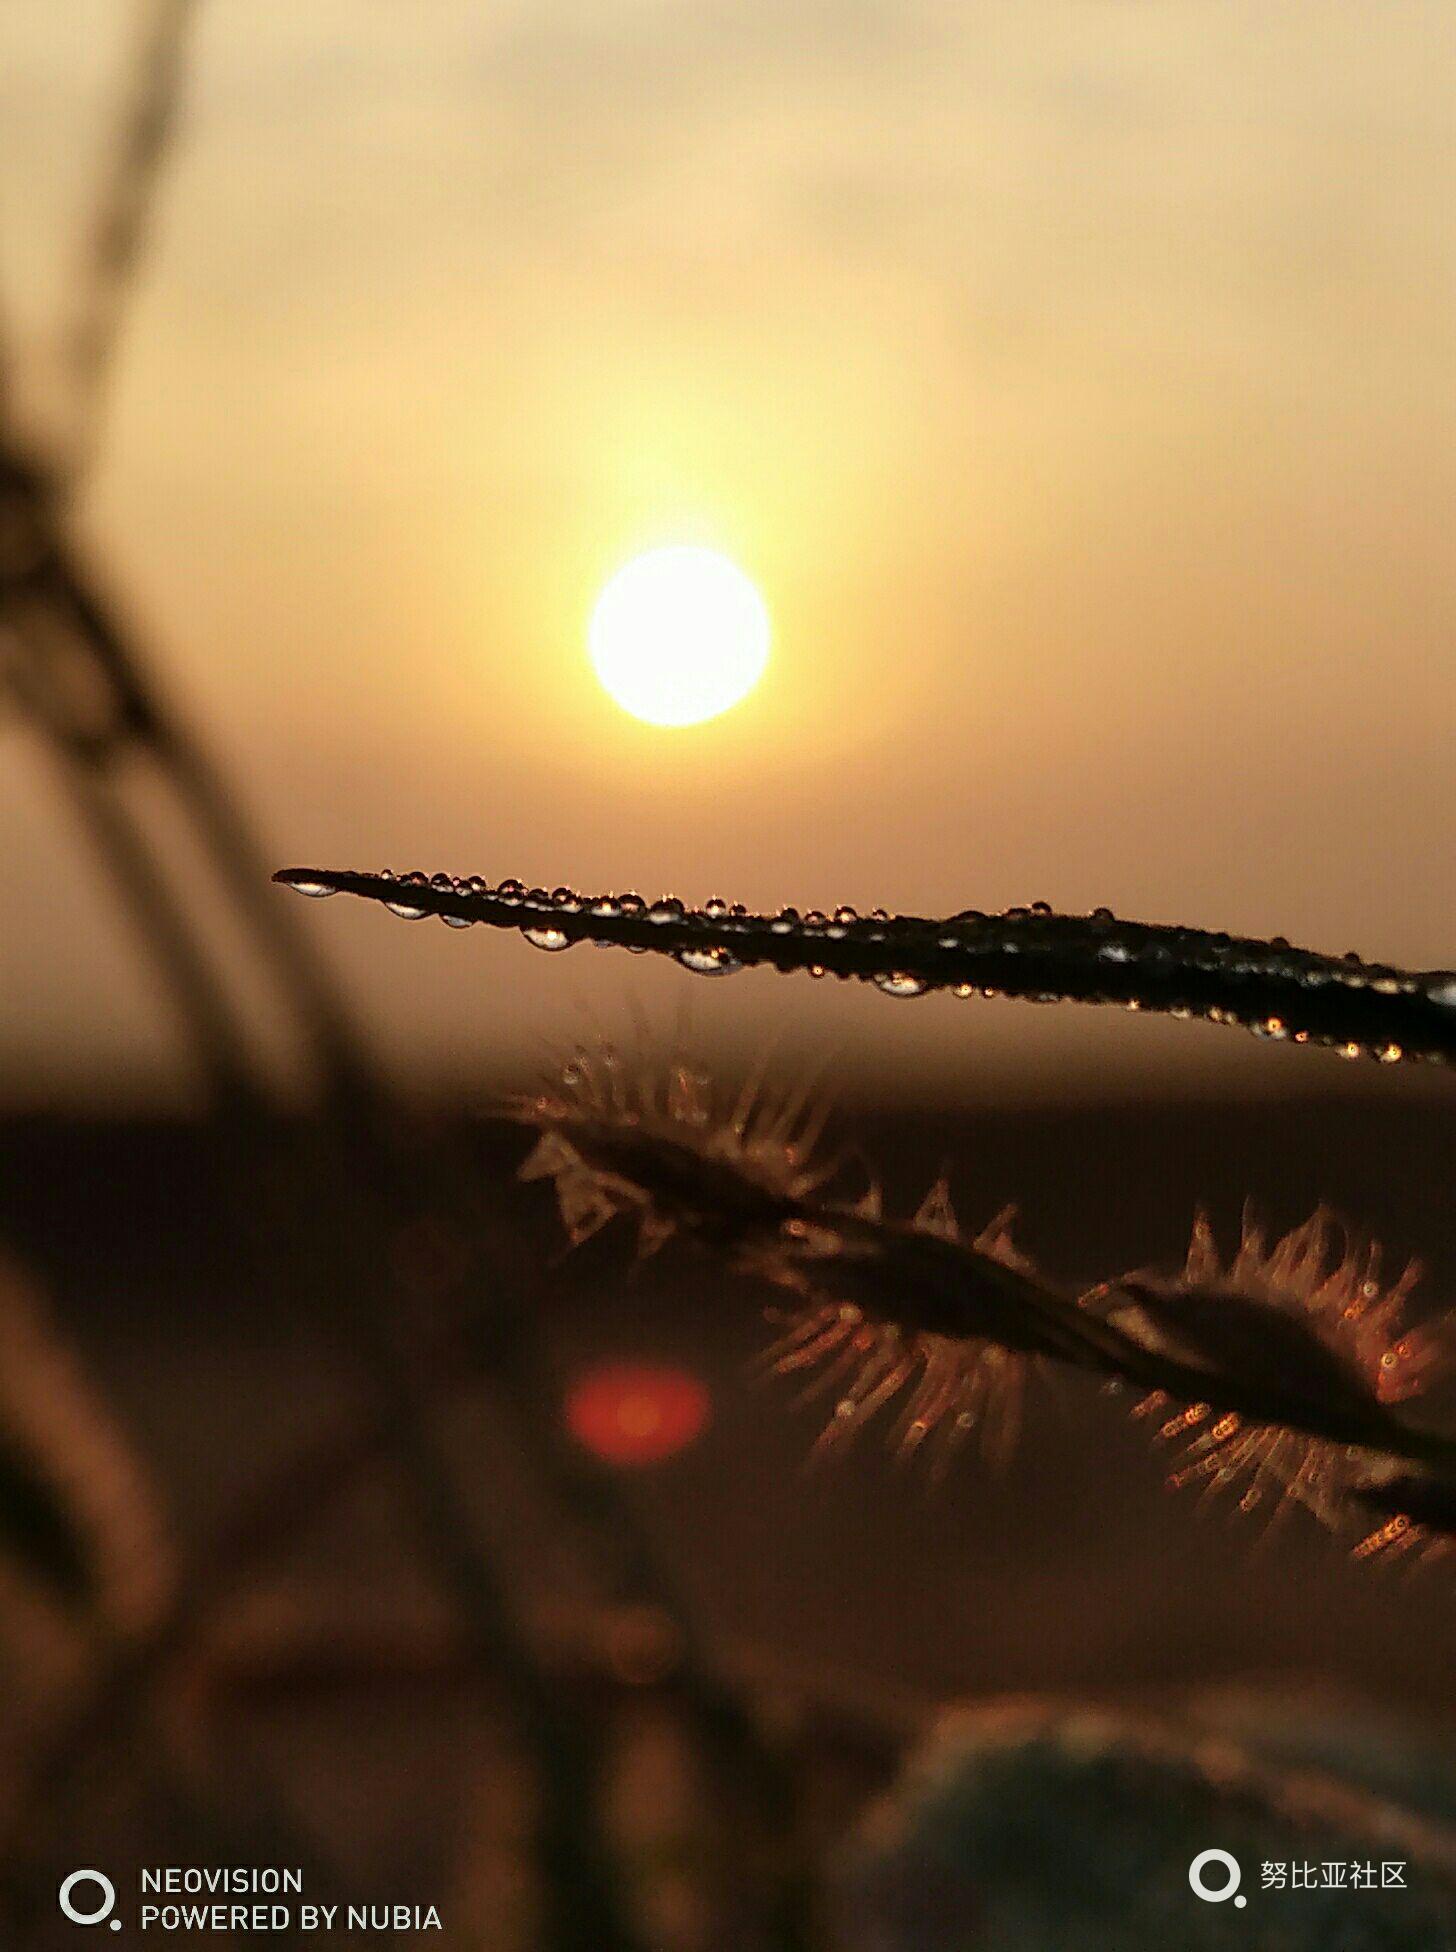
[[1075, 380]]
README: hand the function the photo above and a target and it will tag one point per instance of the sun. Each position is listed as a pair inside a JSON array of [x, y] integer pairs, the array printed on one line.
[[678, 635]]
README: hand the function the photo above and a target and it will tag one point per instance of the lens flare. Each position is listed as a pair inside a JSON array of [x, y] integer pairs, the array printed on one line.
[[636, 1412]]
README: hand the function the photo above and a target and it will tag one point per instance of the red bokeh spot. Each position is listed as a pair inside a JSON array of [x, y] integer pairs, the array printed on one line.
[[636, 1412]]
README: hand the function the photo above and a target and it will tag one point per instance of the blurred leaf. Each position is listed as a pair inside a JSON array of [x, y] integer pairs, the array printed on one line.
[[38, 1531], [1038, 1826], [78, 1516]]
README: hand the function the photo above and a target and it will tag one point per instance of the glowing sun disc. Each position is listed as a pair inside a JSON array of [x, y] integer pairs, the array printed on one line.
[[678, 635]]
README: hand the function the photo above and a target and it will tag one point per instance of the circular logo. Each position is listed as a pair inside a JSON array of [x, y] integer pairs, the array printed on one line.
[[1215, 1894], [106, 1889]]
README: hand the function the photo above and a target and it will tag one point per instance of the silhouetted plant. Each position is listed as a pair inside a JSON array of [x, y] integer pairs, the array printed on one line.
[[1031, 954], [1282, 1369]]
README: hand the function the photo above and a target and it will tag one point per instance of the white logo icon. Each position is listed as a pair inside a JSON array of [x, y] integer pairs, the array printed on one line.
[[108, 1899], [1215, 1894]]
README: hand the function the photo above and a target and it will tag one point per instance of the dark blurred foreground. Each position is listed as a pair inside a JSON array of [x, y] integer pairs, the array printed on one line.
[[330, 1696]]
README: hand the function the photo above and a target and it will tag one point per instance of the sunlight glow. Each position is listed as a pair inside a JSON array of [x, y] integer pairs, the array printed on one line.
[[679, 635]]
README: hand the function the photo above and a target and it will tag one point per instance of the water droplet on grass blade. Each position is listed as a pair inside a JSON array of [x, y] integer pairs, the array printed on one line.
[[406, 911], [900, 983], [709, 962]]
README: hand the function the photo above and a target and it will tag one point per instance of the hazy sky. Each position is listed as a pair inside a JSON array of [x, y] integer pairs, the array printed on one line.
[[1076, 380]]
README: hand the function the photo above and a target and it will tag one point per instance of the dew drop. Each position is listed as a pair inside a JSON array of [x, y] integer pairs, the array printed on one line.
[[315, 890], [844, 915], [900, 983], [547, 938], [445, 884], [669, 909], [406, 911], [715, 906], [709, 962], [511, 891]]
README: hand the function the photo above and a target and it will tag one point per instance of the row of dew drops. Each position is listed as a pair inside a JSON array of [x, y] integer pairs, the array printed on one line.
[[715, 960], [705, 960]]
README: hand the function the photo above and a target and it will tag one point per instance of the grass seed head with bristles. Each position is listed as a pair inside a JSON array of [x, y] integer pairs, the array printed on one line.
[[1312, 1309], [945, 1385], [744, 1181], [664, 1151], [1283, 1366]]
